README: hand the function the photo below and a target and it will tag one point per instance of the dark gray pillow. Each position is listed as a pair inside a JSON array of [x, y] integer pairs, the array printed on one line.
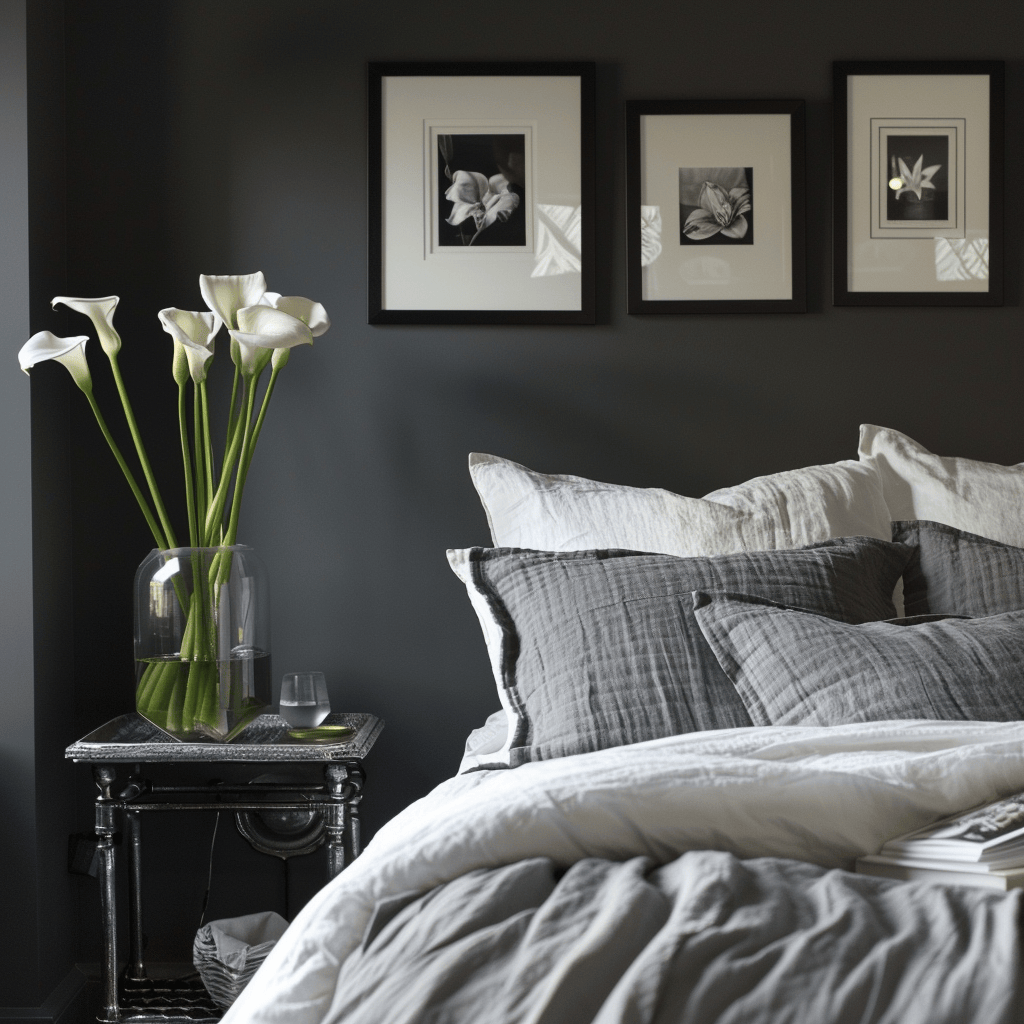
[[952, 572], [600, 648], [792, 667]]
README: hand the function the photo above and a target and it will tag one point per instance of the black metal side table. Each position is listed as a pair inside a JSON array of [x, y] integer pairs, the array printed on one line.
[[330, 808]]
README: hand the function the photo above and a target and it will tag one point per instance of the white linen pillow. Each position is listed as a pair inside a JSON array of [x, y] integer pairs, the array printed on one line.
[[526, 509], [979, 497], [458, 559], [483, 744]]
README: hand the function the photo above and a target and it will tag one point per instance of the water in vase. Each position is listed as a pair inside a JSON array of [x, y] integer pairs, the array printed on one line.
[[203, 700]]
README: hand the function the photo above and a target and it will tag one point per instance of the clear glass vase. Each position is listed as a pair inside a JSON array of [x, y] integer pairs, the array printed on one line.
[[202, 641]]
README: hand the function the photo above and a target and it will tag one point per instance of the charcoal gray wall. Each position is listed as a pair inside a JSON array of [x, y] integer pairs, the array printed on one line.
[[17, 724], [228, 138]]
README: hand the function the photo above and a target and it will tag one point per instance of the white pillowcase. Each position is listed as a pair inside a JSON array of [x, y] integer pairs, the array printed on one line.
[[458, 559], [526, 509], [484, 744], [979, 497]]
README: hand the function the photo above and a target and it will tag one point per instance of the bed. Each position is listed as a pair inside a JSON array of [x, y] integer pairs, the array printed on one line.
[[709, 709]]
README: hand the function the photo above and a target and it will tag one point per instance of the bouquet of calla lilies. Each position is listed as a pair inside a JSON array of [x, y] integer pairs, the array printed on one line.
[[263, 327]]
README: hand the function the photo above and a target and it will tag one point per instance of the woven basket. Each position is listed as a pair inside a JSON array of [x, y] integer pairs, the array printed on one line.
[[227, 953]]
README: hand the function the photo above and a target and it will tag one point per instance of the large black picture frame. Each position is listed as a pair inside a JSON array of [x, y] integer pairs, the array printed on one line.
[[918, 183], [523, 251], [756, 263]]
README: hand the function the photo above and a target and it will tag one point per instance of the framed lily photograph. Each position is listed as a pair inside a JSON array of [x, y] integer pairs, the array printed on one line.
[[918, 158], [481, 193], [715, 201]]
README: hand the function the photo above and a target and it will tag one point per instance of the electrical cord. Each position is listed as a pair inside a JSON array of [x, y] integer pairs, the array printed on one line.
[[209, 874]]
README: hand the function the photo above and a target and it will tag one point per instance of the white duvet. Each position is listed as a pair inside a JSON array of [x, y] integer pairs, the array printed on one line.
[[823, 795]]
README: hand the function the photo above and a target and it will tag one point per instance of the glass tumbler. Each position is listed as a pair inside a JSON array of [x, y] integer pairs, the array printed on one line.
[[304, 700]]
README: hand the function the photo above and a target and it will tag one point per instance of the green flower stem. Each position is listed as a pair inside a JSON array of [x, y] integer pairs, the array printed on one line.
[[158, 536], [149, 683], [262, 416], [215, 510], [243, 465], [198, 446], [208, 446], [232, 407], [147, 470], [190, 494]]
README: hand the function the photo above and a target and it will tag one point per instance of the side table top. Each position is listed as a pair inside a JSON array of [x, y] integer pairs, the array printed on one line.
[[130, 738]]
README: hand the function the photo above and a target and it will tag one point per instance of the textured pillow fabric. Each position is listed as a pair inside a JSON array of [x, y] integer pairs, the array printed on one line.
[[793, 667], [981, 497], [527, 509], [953, 572], [600, 648]]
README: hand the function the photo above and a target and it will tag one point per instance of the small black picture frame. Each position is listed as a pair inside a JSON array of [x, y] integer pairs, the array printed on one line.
[[918, 183], [715, 199], [481, 193]]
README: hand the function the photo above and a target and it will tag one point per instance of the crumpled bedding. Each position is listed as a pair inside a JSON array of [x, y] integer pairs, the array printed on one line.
[[684, 879]]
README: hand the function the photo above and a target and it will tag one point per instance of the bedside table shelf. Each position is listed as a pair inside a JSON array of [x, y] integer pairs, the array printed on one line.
[[331, 808]]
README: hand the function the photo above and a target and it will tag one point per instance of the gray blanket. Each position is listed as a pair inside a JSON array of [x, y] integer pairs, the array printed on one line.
[[705, 938]]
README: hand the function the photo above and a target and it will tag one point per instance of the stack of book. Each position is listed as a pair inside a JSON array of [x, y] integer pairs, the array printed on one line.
[[983, 846]]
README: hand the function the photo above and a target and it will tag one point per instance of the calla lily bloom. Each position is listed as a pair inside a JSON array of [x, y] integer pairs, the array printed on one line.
[[69, 352], [228, 294], [719, 211], [917, 180], [194, 334], [101, 313], [312, 314], [262, 328], [486, 200]]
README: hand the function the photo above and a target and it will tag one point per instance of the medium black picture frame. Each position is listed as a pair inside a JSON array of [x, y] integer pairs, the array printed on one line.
[[757, 145], [890, 120], [531, 125]]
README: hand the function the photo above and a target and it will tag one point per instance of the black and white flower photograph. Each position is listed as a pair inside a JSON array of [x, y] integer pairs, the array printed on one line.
[[917, 187], [716, 206], [482, 181]]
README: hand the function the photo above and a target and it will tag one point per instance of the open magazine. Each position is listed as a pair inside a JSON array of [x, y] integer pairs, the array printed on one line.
[[983, 846], [991, 834]]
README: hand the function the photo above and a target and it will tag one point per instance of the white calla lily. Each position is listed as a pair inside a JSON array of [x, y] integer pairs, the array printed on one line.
[[311, 313], [69, 352], [101, 313], [226, 295], [194, 333], [186, 695], [262, 328]]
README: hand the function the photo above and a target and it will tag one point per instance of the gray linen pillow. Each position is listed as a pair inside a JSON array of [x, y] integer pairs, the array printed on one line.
[[793, 667], [953, 572], [601, 649]]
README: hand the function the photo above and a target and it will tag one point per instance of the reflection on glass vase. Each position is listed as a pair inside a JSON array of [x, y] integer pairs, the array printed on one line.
[[202, 641]]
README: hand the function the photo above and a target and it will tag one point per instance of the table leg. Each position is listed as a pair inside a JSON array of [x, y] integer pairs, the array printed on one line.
[[106, 829], [334, 812], [136, 968], [353, 796]]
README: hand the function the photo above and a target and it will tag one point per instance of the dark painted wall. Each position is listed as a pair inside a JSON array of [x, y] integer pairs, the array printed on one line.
[[228, 138], [17, 732]]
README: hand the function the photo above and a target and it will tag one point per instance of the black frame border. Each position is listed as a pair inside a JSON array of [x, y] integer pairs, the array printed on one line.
[[841, 71], [796, 109], [586, 71]]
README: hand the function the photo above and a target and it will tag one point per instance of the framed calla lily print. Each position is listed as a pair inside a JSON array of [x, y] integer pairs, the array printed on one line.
[[918, 160], [715, 201], [481, 193]]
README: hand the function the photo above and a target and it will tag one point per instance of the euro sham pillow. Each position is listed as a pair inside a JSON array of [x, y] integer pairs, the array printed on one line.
[[794, 667], [980, 497], [601, 649], [954, 572], [526, 509]]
